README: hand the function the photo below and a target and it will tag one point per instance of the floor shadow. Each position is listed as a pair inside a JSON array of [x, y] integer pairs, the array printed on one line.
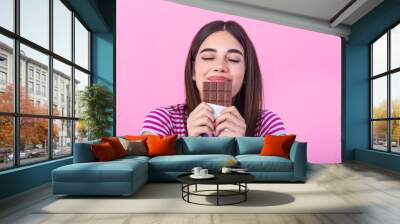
[[93, 196], [148, 191], [255, 198]]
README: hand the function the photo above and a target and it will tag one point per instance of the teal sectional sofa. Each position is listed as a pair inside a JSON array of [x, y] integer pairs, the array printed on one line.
[[125, 176]]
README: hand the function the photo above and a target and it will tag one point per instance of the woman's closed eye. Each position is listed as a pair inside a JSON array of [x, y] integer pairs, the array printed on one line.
[[232, 60]]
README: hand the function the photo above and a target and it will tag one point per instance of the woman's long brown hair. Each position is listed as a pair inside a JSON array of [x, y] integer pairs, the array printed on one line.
[[249, 100]]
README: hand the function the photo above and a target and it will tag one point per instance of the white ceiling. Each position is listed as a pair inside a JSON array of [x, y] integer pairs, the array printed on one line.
[[324, 16], [319, 9]]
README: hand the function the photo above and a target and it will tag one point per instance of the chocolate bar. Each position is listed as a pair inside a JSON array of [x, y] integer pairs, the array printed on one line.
[[219, 93]]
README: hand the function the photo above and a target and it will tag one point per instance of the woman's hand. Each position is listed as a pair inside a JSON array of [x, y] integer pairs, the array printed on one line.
[[201, 120], [230, 123]]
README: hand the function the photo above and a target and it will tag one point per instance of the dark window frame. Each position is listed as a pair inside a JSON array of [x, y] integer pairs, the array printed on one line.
[[16, 114], [388, 74]]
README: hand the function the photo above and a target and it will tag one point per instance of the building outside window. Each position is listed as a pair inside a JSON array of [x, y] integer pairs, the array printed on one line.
[[30, 72], [43, 90], [30, 87], [43, 77], [3, 60], [38, 89], [3, 78], [55, 98], [3, 72], [37, 75]]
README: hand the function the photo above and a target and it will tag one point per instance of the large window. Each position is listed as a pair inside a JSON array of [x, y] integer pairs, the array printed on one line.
[[44, 65], [385, 91]]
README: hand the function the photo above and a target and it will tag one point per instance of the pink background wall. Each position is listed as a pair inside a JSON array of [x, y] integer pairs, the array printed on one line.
[[301, 70]]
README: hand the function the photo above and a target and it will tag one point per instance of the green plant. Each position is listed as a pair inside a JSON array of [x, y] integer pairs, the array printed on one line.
[[96, 102]]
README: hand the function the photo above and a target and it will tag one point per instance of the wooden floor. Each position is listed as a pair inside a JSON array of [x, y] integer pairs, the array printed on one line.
[[377, 188]]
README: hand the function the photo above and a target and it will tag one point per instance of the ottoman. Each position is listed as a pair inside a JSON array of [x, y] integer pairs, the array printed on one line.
[[117, 177]]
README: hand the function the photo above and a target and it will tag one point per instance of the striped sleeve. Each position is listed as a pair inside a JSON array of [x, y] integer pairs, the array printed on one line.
[[270, 124], [158, 121]]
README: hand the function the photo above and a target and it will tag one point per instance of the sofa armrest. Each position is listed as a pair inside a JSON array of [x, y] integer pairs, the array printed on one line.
[[83, 152], [298, 155]]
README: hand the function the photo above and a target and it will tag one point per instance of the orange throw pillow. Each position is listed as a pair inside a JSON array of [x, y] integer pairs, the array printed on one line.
[[134, 137], [161, 145], [103, 151], [116, 145], [277, 145]]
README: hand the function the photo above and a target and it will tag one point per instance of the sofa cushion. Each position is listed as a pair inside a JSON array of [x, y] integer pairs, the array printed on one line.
[[142, 138], [277, 145], [119, 170], [185, 163], [132, 158], [103, 152], [161, 145], [257, 163], [136, 137], [249, 145], [134, 147], [206, 145], [116, 145]]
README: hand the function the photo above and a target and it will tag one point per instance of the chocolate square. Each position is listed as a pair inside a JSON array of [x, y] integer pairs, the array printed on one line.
[[213, 86], [213, 95], [220, 86]]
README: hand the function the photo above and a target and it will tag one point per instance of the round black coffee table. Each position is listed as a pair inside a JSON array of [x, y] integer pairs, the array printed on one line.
[[238, 179]]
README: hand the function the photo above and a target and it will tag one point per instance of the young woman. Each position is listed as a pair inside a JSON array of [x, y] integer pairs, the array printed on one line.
[[220, 51]]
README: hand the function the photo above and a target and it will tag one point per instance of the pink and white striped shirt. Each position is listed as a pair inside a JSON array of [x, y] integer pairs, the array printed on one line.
[[172, 121]]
